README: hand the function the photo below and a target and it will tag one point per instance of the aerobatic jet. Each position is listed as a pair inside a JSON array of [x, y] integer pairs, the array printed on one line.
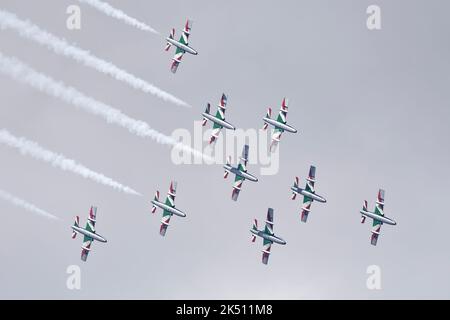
[[279, 124], [168, 207], [89, 232], [218, 120], [309, 193], [181, 45], [267, 234], [377, 216], [240, 172]]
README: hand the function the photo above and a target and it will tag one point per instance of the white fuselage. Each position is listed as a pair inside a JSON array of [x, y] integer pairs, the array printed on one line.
[[223, 123], [377, 217], [242, 174], [266, 236], [279, 125], [305, 193], [164, 206], [85, 232], [181, 46]]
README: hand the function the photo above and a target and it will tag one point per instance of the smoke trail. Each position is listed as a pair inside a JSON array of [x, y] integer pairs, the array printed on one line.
[[27, 147], [25, 74], [118, 14], [32, 32], [27, 206]]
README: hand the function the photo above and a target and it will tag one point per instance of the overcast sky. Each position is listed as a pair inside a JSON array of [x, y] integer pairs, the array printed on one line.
[[371, 108]]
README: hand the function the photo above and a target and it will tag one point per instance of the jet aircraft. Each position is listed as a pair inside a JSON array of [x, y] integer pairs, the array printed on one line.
[[240, 173], [168, 207], [89, 232], [267, 234], [181, 45], [218, 120], [309, 193], [279, 124], [377, 216]]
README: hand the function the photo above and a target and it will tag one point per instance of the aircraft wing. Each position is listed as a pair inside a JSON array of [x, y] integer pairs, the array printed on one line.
[[180, 52], [283, 111], [376, 226], [237, 187], [269, 222], [176, 61], [86, 247], [165, 222], [276, 136], [170, 201], [267, 245], [306, 208], [90, 226]]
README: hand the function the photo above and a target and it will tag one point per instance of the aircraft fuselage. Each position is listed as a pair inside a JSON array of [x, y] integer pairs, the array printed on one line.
[[307, 194], [181, 46], [266, 236], [240, 173], [164, 206], [85, 232], [377, 217], [279, 125], [223, 123]]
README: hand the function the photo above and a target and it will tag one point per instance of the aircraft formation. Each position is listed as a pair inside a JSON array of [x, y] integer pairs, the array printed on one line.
[[240, 172]]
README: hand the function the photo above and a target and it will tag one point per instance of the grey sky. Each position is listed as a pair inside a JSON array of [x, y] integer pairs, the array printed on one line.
[[371, 108]]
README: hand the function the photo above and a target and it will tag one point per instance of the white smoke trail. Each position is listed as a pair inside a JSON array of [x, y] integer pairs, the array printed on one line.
[[27, 206], [25, 74], [27, 147], [32, 32], [118, 14]]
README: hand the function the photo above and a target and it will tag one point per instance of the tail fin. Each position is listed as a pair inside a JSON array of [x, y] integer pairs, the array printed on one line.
[[208, 108], [364, 208], [76, 224], [268, 115], [294, 195], [171, 36], [156, 198]]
